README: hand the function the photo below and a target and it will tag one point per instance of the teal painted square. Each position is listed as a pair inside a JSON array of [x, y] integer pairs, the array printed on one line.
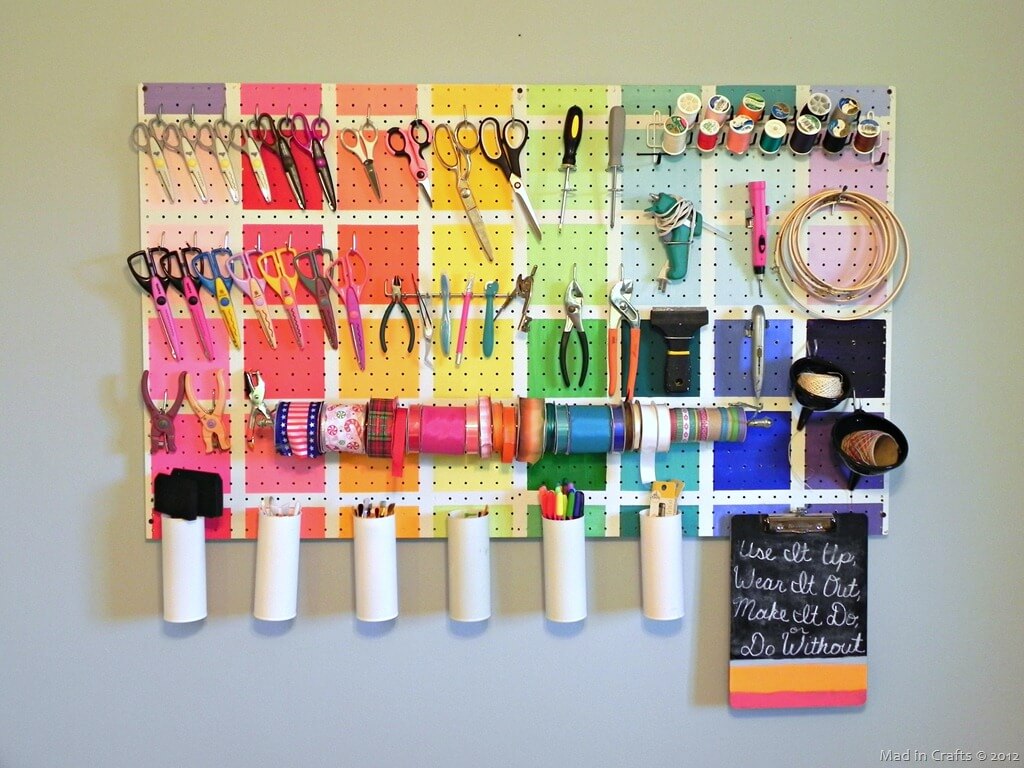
[[629, 522], [643, 255], [680, 462], [544, 377], [735, 284], [644, 99], [534, 525], [650, 375], [587, 471], [642, 177], [772, 93], [690, 515], [594, 517]]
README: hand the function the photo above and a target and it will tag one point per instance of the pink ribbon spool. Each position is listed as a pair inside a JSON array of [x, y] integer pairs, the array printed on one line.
[[443, 430]]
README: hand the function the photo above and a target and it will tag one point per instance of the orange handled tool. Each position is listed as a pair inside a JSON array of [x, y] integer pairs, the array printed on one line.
[[619, 298]]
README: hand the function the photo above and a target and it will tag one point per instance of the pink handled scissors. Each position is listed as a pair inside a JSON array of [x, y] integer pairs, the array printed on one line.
[[309, 136], [350, 291], [240, 267], [283, 284], [174, 266], [153, 283], [409, 142]]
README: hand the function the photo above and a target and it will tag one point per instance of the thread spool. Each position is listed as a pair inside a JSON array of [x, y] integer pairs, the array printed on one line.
[[865, 139], [688, 107], [780, 111], [707, 135], [773, 136], [805, 135], [739, 132], [673, 139], [819, 105], [718, 109], [837, 136], [847, 109], [752, 105]]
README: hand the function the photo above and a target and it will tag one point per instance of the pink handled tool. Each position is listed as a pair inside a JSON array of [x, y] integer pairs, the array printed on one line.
[[757, 223], [467, 297], [153, 283], [174, 266], [350, 290], [409, 142]]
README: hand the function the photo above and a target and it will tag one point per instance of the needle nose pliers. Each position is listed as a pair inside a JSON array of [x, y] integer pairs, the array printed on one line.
[[396, 301], [573, 302]]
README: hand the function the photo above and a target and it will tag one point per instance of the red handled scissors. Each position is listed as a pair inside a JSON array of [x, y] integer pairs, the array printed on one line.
[[409, 142], [155, 284], [283, 284]]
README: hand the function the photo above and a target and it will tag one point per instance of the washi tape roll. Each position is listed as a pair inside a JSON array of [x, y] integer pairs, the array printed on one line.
[[342, 426]]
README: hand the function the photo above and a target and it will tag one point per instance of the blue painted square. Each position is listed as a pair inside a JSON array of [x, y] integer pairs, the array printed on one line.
[[761, 461], [722, 514], [732, 358], [643, 176], [680, 462], [855, 345], [778, 172]]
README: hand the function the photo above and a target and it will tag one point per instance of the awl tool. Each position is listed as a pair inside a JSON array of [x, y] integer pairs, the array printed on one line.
[[616, 137], [755, 330], [678, 325], [572, 133], [446, 317], [757, 223], [467, 297]]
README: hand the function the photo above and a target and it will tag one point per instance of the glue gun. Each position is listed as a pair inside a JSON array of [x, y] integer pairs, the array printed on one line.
[[678, 223], [757, 223]]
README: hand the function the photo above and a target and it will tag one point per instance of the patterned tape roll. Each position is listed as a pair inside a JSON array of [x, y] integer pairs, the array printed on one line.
[[342, 426], [297, 429], [443, 430], [380, 415], [473, 429], [280, 433], [590, 429], [691, 425]]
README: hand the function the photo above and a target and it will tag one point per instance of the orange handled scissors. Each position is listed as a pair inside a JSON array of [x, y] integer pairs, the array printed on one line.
[[619, 298], [283, 283]]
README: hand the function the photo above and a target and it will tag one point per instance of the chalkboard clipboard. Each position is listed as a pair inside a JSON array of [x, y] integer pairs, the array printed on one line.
[[798, 611]]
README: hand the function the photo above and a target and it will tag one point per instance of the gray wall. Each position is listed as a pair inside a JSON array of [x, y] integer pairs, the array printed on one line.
[[91, 676]]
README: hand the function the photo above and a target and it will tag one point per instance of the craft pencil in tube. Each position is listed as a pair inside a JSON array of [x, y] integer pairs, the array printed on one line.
[[184, 568], [565, 570], [376, 568], [469, 566], [277, 562], [661, 565]]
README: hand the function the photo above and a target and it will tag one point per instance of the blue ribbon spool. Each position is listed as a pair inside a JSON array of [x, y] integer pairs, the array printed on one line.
[[590, 429]]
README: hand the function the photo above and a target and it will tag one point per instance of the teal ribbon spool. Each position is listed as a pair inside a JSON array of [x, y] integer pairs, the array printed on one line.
[[590, 429]]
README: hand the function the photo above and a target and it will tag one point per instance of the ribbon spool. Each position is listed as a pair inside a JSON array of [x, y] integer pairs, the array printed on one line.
[[850, 426], [590, 429], [688, 107], [739, 132], [865, 139], [718, 109], [804, 137], [818, 385], [773, 136], [443, 430], [707, 135]]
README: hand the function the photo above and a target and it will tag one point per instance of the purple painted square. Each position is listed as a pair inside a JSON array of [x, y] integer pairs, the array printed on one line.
[[873, 511], [848, 169], [732, 358], [181, 98], [875, 99], [722, 514], [857, 346], [823, 468], [761, 461]]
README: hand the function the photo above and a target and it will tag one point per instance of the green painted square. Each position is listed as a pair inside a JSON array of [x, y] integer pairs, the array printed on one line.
[[772, 94], [587, 471], [644, 99], [594, 517], [690, 515], [556, 99], [499, 516], [629, 522], [554, 255], [544, 377], [588, 184], [650, 376], [534, 526]]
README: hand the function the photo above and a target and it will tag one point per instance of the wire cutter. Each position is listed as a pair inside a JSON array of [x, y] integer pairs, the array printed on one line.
[[211, 420], [573, 303], [319, 287], [619, 298], [396, 301], [161, 420], [522, 290]]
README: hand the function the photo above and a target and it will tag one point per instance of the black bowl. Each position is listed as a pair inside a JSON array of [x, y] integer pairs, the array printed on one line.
[[809, 400], [855, 422]]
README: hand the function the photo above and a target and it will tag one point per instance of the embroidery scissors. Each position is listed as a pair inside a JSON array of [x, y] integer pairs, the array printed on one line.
[[350, 291], [155, 284], [309, 136], [409, 142], [267, 133], [215, 138], [185, 147], [313, 279], [240, 267], [248, 145], [460, 148], [218, 283], [361, 143], [502, 147], [283, 284], [146, 137], [175, 268]]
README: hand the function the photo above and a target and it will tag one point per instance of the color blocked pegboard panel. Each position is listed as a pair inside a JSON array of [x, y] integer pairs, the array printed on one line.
[[402, 234]]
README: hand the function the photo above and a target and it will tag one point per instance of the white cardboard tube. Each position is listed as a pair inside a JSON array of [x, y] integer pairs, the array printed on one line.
[[375, 554], [469, 567], [184, 568], [661, 566], [277, 567], [565, 570]]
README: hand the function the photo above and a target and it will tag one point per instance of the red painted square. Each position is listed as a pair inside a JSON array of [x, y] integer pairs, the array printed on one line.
[[354, 191], [268, 472], [388, 250], [290, 372], [281, 197]]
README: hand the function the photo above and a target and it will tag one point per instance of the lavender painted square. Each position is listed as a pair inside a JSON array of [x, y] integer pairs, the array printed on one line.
[[823, 468], [760, 461], [732, 358], [875, 99], [848, 169], [180, 98], [857, 345]]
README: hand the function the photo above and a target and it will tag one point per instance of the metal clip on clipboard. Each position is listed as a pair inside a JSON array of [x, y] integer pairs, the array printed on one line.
[[798, 521]]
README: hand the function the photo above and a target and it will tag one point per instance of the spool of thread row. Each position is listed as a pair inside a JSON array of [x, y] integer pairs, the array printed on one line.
[[719, 109], [688, 107], [837, 136], [865, 139], [752, 106], [805, 134], [773, 136], [707, 135], [673, 140]]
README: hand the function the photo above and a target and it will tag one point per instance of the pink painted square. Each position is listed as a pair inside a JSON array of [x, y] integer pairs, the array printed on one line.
[[290, 373], [388, 250], [268, 472]]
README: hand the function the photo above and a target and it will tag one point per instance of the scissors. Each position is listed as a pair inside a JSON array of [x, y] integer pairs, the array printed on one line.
[[247, 144], [283, 284], [459, 149], [502, 148], [361, 143], [310, 136], [215, 138], [240, 267], [146, 137], [320, 287], [350, 291], [218, 283], [185, 147], [175, 269], [401, 140], [268, 133], [155, 284]]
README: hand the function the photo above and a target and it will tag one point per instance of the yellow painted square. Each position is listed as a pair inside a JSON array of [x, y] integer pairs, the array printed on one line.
[[407, 522], [478, 101], [363, 474], [478, 375], [490, 188], [457, 254], [345, 525], [395, 374], [471, 473], [499, 516]]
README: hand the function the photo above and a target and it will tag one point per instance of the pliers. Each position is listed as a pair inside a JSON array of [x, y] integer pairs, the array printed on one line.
[[215, 431], [573, 303], [522, 290], [161, 419], [396, 301], [619, 298]]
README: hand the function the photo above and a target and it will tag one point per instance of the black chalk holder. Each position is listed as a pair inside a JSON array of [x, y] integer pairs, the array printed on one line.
[[861, 420], [810, 401]]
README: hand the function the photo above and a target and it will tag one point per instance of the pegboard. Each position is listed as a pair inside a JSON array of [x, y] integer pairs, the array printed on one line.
[[776, 468]]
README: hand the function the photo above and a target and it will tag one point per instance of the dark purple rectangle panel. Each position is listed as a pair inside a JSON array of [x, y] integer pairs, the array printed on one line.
[[181, 98], [732, 358], [873, 511], [723, 514], [855, 345]]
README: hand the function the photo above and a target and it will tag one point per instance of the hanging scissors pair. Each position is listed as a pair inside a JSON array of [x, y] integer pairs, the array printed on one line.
[[240, 267], [248, 145], [274, 266], [174, 266], [267, 133], [409, 142], [218, 282], [454, 150], [143, 266], [309, 136], [319, 286], [351, 290], [502, 147], [214, 138], [186, 147], [361, 144], [148, 138]]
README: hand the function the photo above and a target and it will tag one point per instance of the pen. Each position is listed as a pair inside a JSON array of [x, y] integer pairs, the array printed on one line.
[[466, 298]]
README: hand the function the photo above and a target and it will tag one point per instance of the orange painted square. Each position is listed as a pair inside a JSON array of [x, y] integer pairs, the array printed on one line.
[[379, 99], [407, 522], [289, 372], [354, 190], [388, 250], [363, 474]]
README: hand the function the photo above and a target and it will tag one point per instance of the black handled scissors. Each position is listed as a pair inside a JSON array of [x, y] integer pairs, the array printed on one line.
[[503, 146], [268, 133], [310, 136]]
